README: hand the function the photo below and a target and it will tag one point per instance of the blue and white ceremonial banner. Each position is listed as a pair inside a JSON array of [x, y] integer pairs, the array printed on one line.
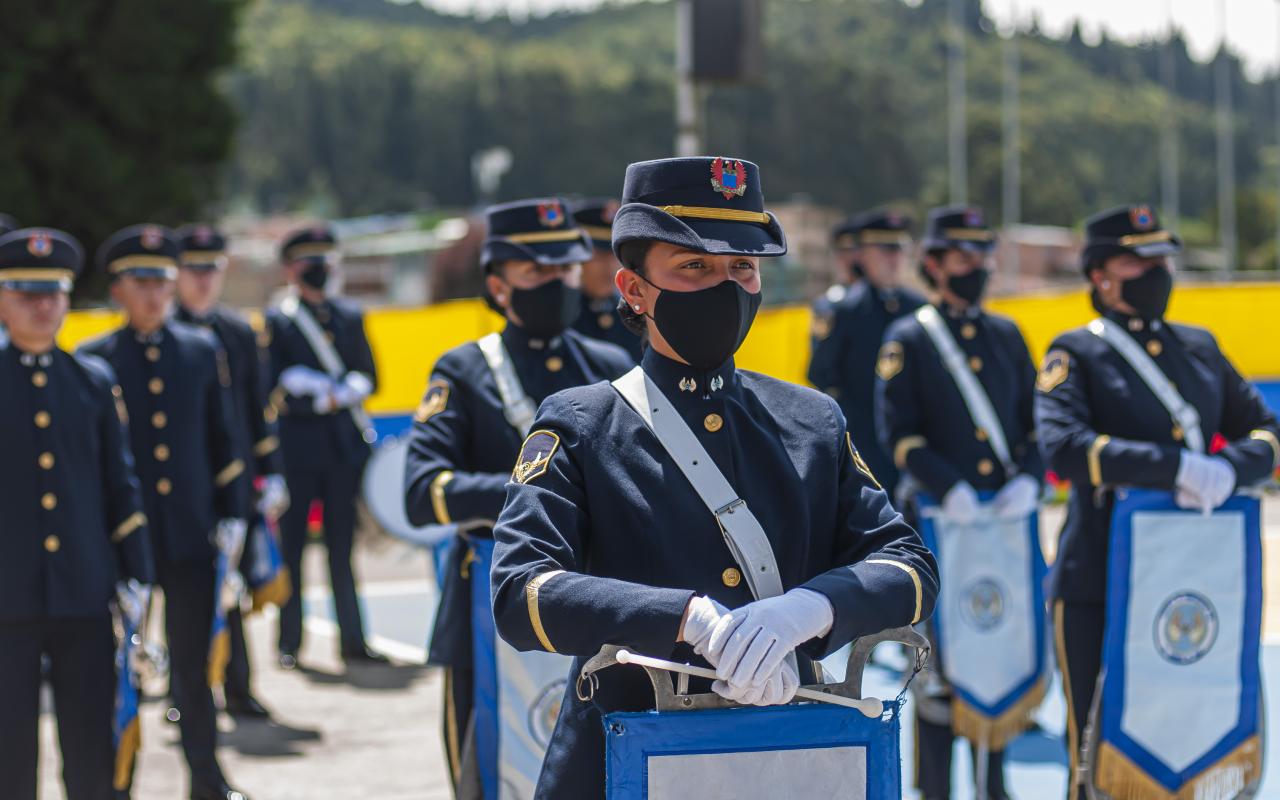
[[126, 730], [267, 575], [1178, 715], [517, 697], [810, 750], [989, 621]]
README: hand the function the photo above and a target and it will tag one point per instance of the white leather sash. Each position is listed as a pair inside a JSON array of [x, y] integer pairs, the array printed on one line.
[[742, 531], [516, 405], [1180, 411], [328, 357], [975, 397]]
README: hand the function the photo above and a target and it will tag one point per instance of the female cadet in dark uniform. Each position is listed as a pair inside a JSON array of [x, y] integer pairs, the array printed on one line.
[[463, 443], [602, 541], [1101, 427]]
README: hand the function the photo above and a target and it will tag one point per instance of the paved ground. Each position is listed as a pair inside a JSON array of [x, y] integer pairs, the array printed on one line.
[[372, 733]]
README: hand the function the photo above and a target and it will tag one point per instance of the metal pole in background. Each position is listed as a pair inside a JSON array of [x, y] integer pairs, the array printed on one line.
[[688, 129], [1169, 200], [957, 144], [1012, 189], [1277, 80], [1226, 152]]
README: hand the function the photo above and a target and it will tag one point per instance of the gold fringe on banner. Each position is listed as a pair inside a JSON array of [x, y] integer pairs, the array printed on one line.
[[219, 657], [996, 732], [1121, 779], [275, 592], [130, 744]]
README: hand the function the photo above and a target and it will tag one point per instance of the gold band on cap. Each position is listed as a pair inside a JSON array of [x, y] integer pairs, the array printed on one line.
[[722, 214], [598, 231], [1139, 239], [309, 249], [881, 236], [141, 262], [968, 235], [202, 256], [535, 237], [36, 274]]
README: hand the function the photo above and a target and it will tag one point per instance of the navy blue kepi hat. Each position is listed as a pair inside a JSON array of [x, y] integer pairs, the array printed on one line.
[[314, 241], [538, 230], [143, 251], [1127, 229], [39, 260], [883, 228], [202, 246], [958, 228], [708, 205], [595, 217]]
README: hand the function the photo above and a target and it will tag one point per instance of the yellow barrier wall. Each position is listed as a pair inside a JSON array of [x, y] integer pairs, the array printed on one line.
[[407, 341]]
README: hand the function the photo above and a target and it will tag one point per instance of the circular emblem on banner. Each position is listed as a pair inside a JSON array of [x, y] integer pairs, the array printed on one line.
[[982, 604], [1186, 628], [544, 711]]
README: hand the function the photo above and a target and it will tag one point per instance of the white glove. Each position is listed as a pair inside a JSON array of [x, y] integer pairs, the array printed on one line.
[[778, 689], [358, 384], [303, 381], [749, 644], [1203, 482], [700, 621], [274, 499], [1017, 498], [961, 504], [132, 598]]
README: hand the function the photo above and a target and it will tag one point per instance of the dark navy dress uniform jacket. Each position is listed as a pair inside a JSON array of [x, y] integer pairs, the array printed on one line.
[[924, 421], [846, 339], [175, 391], [314, 442], [605, 542], [1101, 427], [71, 518], [462, 450]]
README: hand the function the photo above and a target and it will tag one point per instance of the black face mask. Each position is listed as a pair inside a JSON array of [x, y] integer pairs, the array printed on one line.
[[315, 274], [547, 310], [706, 327], [1149, 292], [969, 287]]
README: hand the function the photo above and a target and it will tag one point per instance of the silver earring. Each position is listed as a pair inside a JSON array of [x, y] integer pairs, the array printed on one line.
[[637, 308], [502, 298], [1106, 284]]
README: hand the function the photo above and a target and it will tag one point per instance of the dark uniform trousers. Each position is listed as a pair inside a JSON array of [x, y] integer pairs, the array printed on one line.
[[1101, 427], [336, 487], [324, 458], [81, 653], [925, 423], [462, 451], [189, 596]]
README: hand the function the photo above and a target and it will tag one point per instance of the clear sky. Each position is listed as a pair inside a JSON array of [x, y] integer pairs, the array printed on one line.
[[1253, 26]]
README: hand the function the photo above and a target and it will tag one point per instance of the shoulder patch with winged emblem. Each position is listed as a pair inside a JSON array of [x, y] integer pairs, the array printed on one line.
[[434, 401], [535, 456], [889, 362], [1057, 363]]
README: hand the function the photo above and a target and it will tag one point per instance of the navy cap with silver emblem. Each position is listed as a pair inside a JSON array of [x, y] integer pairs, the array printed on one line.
[[143, 251], [539, 229], [958, 228], [202, 247], [880, 228], [595, 217], [1126, 229], [703, 204], [313, 241], [39, 260]]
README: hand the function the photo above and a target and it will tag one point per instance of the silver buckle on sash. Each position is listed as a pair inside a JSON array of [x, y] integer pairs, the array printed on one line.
[[730, 506]]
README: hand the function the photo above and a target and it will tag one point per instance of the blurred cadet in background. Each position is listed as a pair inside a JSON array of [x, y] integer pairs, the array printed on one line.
[[600, 318]]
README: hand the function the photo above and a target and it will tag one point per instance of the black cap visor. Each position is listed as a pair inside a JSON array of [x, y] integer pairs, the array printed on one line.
[[569, 251], [639, 221]]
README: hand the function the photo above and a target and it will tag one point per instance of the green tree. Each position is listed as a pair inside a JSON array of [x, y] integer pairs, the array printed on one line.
[[110, 114]]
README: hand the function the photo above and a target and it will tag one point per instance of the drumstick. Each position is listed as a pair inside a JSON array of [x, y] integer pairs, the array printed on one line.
[[868, 706]]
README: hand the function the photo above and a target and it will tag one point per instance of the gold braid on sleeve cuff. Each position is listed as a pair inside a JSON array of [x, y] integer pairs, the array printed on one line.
[[531, 590], [904, 446], [915, 579], [1095, 459], [131, 523], [229, 473]]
